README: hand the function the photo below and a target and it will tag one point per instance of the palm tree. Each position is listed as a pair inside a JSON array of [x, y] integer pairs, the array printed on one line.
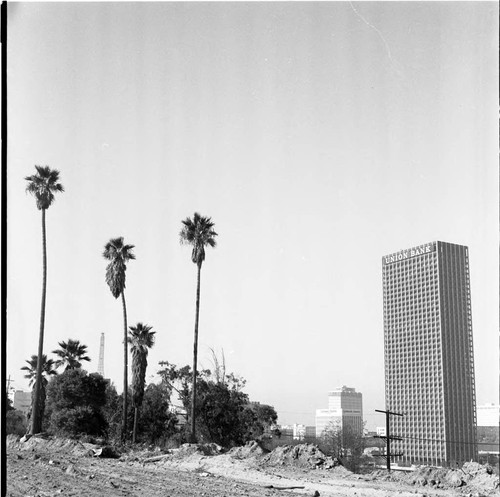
[[141, 339], [71, 353], [118, 254], [197, 232], [48, 369], [42, 185]]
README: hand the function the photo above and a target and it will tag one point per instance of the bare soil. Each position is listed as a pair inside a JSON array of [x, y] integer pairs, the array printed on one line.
[[43, 467]]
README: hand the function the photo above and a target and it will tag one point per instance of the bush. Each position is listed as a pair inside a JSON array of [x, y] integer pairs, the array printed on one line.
[[75, 402], [15, 422], [156, 424], [78, 421], [224, 413]]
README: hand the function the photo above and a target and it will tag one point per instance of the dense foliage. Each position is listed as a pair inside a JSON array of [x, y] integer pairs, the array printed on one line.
[[75, 402], [15, 422], [158, 423], [224, 413]]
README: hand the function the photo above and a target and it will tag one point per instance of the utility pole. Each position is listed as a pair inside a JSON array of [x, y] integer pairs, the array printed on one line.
[[388, 437], [9, 381]]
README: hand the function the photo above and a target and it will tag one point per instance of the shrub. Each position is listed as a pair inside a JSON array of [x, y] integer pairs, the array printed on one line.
[[75, 402], [224, 413], [15, 422], [156, 423], [78, 421]]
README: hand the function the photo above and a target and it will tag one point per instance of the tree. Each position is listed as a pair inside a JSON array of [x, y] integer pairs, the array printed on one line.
[[118, 254], [224, 413], [47, 367], [221, 409], [71, 353], [42, 185], [197, 232], [75, 403], [346, 443], [263, 419], [141, 339], [157, 422]]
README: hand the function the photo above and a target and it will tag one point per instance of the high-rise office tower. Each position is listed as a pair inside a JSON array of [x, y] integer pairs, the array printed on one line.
[[429, 361], [345, 411]]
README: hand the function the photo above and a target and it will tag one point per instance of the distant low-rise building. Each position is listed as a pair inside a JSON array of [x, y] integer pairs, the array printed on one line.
[[286, 430], [301, 432], [22, 401], [488, 427], [488, 415]]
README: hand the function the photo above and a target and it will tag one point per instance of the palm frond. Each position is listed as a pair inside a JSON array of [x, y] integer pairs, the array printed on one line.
[[48, 368], [43, 185], [71, 354], [199, 233], [118, 254]]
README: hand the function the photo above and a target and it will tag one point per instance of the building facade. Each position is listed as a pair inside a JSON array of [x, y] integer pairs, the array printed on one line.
[[345, 409], [488, 415], [429, 362], [22, 401]]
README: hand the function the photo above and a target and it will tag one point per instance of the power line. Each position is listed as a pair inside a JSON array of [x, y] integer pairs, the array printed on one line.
[[447, 441]]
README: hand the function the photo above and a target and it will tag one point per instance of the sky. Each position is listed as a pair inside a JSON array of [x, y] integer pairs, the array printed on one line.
[[317, 136]]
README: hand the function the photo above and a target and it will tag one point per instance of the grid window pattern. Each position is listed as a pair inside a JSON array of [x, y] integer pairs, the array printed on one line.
[[429, 373]]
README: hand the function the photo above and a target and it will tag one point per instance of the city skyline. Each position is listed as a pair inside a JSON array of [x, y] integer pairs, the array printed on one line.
[[318, 137]]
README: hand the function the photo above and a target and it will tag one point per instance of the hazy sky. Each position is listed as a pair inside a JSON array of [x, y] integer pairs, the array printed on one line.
[[318, 136]]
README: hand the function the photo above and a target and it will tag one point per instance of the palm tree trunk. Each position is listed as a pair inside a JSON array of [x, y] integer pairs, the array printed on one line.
[[195, 358], [36, 419], [125, 369], [135, 425]]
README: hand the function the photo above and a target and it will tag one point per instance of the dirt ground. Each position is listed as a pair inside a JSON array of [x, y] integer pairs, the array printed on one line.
[[44, 467]]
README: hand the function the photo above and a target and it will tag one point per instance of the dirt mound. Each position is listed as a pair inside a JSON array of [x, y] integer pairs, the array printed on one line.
[[473, 477], [480, 477], [186, 450], [251, 449], [61, 446], [302, 455]]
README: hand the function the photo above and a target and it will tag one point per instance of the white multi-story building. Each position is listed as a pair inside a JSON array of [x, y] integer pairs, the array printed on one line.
[[345, 409], [488, 415]]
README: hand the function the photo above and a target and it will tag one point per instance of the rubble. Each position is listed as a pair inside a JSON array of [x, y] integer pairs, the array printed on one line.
[[302, 455], [251, 449], [472, 478]]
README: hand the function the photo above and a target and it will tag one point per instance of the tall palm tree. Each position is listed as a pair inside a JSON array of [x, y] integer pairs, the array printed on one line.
[[48, 369], [42, 185], [197, 232], [118, 254], [141, 339], [71, 353]]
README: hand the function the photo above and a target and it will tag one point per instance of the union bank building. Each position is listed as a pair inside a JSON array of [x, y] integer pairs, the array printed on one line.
[[429, 360]]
